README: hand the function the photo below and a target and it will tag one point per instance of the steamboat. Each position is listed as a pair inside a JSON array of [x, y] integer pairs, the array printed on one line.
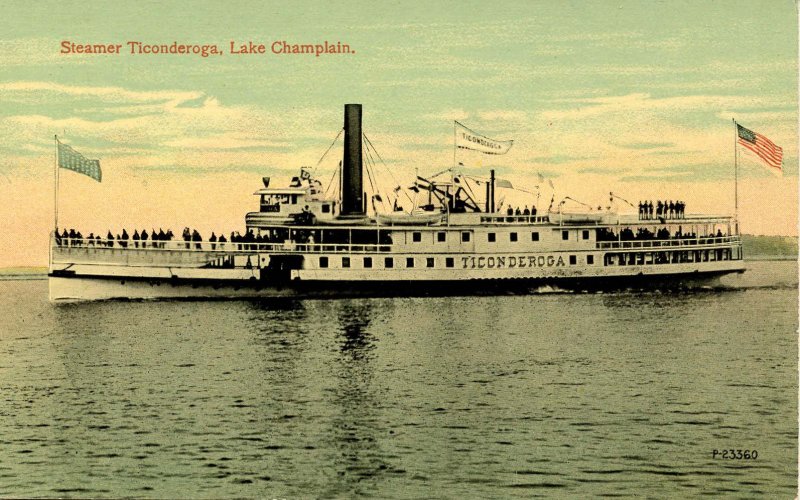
[[302, 242]]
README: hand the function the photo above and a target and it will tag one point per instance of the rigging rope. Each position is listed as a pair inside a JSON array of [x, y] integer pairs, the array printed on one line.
[[327, 150], [370, 174], [471, 193], [371, 146], [330, 183]]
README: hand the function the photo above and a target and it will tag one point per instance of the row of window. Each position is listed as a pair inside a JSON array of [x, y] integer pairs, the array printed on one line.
[[675, 257], [388, 262], [441, 236]]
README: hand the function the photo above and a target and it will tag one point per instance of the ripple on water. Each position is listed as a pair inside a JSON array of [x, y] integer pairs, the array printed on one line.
[[463, 397]]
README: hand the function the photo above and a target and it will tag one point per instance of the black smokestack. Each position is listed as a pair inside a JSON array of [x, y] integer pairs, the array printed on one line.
[[352, 182]]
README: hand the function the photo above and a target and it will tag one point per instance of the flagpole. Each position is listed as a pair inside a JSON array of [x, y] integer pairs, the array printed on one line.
[[55, 165], [735, 171], [454, 144], [452, 173]]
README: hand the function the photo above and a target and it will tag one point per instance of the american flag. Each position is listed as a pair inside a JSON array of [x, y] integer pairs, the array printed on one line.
[[760, 145], [72, 160]]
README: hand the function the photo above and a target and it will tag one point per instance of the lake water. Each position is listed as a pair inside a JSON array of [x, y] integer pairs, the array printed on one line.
[[568, 395]]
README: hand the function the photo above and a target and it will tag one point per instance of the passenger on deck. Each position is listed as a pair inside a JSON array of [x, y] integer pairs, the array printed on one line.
[[526, 211], [143, 236], [110, 238], [135, 238], [533, 209], [518, 211], [222, 241], [213, 240], [626, 234], [510, 211], [124, 242], [719, 233], [197, 239], [671, 209]]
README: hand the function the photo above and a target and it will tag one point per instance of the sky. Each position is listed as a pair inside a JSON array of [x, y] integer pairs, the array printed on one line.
[[631, 97]]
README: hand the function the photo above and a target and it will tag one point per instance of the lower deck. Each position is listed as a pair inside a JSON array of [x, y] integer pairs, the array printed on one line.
[[96, 287]]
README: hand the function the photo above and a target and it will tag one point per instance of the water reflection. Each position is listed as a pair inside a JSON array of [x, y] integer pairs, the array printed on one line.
[[356, 341], [356, 429]]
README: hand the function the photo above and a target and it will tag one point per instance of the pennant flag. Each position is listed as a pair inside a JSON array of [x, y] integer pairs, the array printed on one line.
[[72, 160], [467, 139], [760, 145], [502, 183]]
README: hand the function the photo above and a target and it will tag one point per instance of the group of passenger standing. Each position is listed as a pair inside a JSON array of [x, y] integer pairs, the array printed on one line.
[[525, 211], [154, 239], [661, 210]]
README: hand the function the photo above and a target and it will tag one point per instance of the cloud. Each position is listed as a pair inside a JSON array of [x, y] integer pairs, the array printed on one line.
[[236, 140], [35, 52], [174, 127], [643, 102], [649, 145], [447, 115], [507, 116], [26, 89]]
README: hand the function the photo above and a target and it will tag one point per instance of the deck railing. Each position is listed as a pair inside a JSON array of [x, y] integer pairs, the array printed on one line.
[[675, 242], [224, 247], [514, 219], [338, 248]]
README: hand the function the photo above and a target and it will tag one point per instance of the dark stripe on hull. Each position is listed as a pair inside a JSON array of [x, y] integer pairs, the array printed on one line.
[[464, 287]]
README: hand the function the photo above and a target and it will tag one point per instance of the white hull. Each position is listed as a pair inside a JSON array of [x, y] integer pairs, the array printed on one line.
[[92, 288], [106, 282]]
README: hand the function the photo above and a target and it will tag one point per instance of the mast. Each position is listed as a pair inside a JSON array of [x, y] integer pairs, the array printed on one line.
[[735, 172], [454, 144], [55, 169], [490, 201]]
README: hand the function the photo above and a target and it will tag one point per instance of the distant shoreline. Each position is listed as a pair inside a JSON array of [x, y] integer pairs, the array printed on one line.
[[23, 271]]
